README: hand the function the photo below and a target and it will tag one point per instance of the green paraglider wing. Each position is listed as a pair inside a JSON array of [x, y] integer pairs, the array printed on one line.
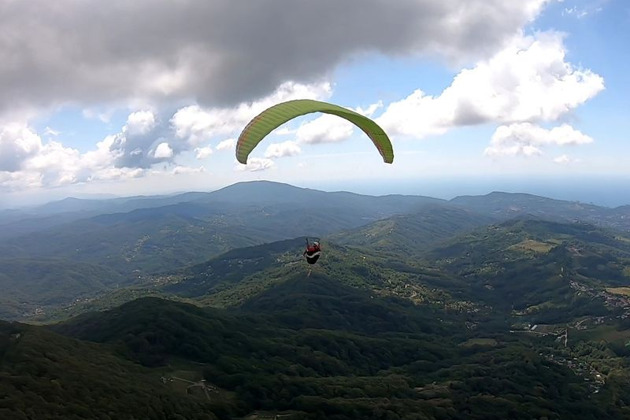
[[275, 116]]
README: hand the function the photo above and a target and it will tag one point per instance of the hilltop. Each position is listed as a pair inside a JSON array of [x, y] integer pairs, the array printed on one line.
[[123, 243]]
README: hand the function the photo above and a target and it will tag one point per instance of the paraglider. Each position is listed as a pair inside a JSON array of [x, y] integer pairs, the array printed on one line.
[[312, 251], [275, 116]]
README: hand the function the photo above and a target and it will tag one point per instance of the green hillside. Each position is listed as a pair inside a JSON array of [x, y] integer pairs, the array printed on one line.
[[47, 376], [129, 241], [434, 312], [411, 234], [338, 367], [114, 246], [243, 274], [538, 269], [510, 205], [32, 286]]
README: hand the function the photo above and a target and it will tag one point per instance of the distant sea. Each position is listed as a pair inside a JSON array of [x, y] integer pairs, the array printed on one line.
[[603, 191]]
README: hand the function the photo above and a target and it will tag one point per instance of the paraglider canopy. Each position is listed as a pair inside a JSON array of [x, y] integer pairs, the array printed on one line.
[[312, 251], [275, 116]]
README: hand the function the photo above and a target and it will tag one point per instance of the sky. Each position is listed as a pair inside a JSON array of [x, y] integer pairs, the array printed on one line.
[[148, 97]]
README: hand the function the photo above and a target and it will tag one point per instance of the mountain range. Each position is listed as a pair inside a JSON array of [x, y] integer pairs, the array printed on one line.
[[201, 306]]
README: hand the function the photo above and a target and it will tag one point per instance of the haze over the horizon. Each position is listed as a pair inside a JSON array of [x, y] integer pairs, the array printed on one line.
[[477, 95], [604, 192]]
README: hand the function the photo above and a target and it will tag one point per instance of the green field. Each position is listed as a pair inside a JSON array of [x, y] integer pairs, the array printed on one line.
[[530, 245]]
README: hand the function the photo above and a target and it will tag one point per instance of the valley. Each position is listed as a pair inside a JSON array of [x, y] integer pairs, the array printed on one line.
[[418, 309]]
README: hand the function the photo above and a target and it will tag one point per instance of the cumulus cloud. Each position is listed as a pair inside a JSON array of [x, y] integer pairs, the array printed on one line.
[[113, 173], [287, 148], [144, 140], [370, 110], [229, 63], [18, 180], [229, 144], [219, 51], [203, 152], [140, 123], [33, 163], [17, 144], [134, 151], [324, 129], [177, 170], [148, 138], [418, 115], [196, 124], [163, 151], [256, 164], [56, 164], [565, 160], [529, 80], [527, 139]]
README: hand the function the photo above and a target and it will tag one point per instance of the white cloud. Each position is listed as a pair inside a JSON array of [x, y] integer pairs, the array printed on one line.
[[14, 181], [284, 131], [228, 144], [163, 151], [562, 159], [574, 11], [418, 115], [37, 164], [51, 132], [140, 123], [17, 144], [144, 140], [370, 110], [256, 164], [141, 143], [196, 124], [529, 80], [527, 139], [580, 12], [177, 170], [566, 160], [324, 129], [58, 165], [287, 148], [513, 150], [113, 173], [217, 52], [54, 57], [203, 152]]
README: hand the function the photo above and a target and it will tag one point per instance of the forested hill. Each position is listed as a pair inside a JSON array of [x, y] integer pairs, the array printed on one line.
[[413, 233], [316, 349], [510, 205], [45, 250], [44, 375], [41, 270], [517, 319]]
